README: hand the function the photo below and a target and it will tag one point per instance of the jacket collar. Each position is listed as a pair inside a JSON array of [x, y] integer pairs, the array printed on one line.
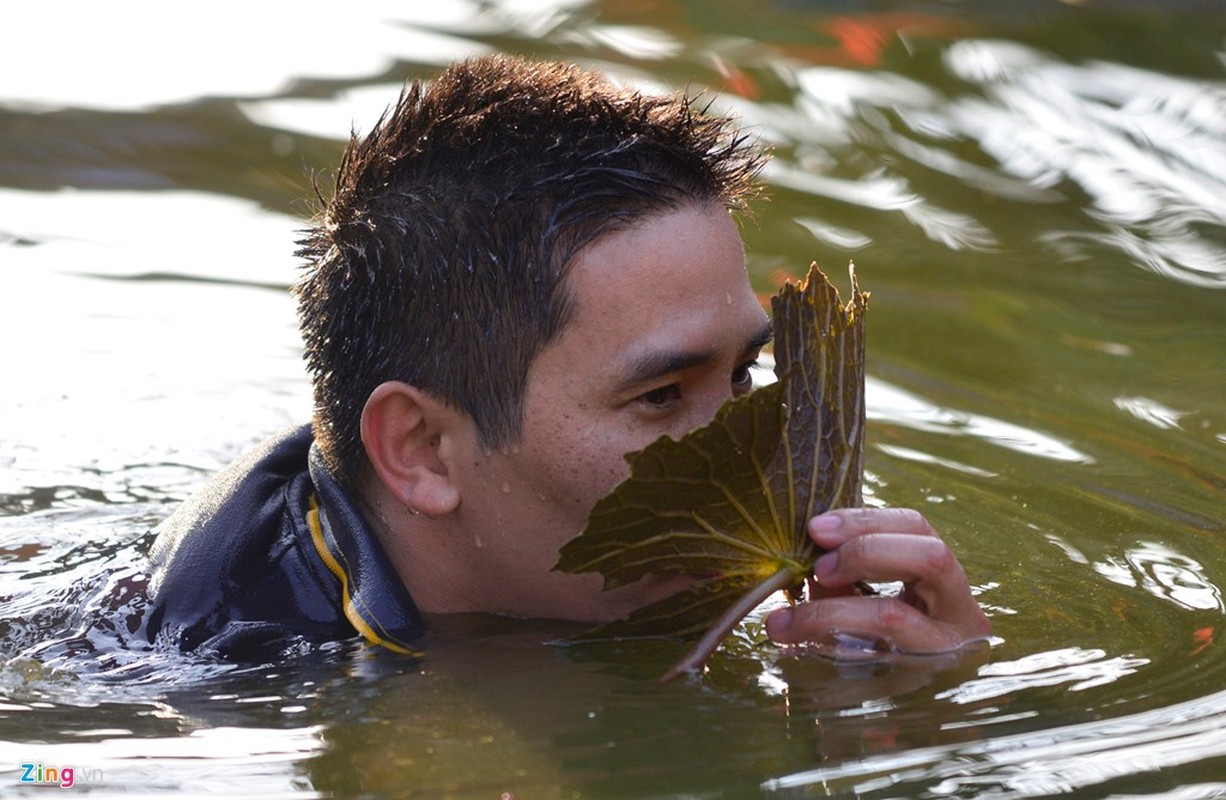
[[374, 599]]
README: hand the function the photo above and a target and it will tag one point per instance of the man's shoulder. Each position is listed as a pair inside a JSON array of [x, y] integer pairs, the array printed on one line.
[[275, 547], [241, 502], [233, 552]]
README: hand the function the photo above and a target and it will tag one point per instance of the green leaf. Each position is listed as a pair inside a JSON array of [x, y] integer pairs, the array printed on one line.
[[729, 502]]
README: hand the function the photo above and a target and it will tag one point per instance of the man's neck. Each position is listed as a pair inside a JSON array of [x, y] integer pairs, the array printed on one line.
[[423, 552]]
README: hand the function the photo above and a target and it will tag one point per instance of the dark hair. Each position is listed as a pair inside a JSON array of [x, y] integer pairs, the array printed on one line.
[[440, 259]]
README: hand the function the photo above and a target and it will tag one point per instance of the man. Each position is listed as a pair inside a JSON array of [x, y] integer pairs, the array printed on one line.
[[524, 273]]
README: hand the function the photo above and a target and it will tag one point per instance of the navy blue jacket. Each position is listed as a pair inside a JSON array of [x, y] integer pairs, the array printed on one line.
[[272, 549]]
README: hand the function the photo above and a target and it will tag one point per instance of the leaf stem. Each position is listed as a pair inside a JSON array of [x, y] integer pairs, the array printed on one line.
[[719, 630]]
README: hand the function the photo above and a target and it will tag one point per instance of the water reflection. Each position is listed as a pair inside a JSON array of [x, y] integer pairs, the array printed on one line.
[[240, 761], [1135, 748], [1151, 411], [1164, 573], [884, 192], [896, 406], [132, 233], [180, 55], [1006, 194], [1148, 149], [1076, 668]]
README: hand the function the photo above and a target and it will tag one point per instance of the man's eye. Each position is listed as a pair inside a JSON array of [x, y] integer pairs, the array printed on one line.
[[742, 376], [663, 397]]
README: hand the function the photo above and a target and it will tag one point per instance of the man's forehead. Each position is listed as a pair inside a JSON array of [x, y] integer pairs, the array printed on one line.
[[675, 282]]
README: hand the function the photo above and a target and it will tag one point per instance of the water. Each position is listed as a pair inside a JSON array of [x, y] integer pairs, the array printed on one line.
[[1034, 197]]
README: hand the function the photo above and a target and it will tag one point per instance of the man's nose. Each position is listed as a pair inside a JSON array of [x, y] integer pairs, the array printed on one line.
[[704, 411]]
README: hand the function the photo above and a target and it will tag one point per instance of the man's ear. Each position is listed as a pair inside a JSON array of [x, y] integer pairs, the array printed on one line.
[[402, 428]]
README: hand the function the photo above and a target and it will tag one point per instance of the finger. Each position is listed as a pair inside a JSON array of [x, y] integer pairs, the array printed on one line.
[[889, 557], [833, 528], [885, 621], [924, 564]]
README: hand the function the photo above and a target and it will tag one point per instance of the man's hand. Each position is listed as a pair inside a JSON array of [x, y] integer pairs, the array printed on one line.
[[933, 613]]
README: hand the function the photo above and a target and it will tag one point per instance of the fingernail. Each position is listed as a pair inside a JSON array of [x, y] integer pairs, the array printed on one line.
[[825, 565], [779, 621], [825, 522]]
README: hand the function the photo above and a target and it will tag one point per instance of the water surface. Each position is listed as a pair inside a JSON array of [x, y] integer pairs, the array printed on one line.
[[1035, 197]]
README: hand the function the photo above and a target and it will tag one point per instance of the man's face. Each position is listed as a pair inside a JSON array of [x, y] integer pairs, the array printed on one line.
[[665, 329]]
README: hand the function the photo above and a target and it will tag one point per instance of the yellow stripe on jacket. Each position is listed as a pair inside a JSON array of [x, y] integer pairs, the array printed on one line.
[[351, 612]]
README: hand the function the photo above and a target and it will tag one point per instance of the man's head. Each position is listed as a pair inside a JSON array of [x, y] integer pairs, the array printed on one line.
[[441, 260]]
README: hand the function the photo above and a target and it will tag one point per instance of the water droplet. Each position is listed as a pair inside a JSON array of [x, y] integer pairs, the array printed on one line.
[[506, 487], [477, 540]]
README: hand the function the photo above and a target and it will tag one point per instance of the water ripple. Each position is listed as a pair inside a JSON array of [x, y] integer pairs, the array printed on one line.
[[1148, 148], [1052, 761], [891, 404]]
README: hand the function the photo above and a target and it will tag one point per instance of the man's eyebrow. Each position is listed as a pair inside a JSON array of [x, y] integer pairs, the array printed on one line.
[[652, 364]]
